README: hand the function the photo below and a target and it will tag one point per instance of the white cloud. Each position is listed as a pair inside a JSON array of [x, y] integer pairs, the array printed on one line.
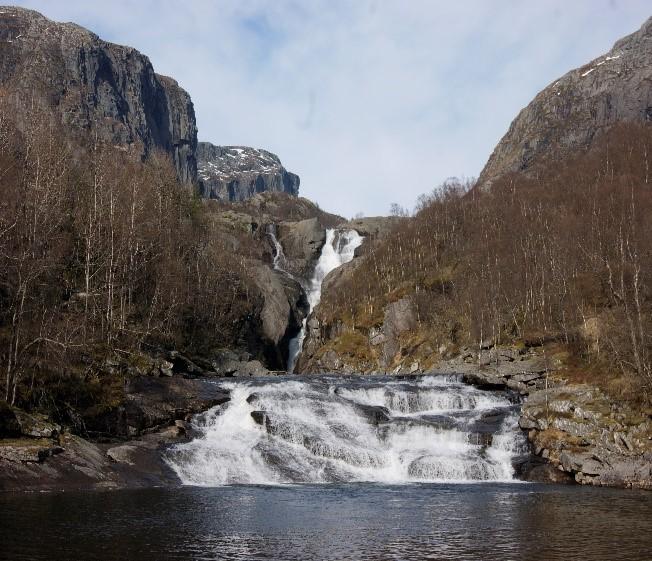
[[370, 102]]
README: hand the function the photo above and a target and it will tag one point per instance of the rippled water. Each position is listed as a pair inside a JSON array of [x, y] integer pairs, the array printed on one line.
[[331, 522]]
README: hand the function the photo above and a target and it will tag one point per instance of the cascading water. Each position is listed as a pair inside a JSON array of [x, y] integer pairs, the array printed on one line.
[[346, 429], [338, 249], [279, 256]]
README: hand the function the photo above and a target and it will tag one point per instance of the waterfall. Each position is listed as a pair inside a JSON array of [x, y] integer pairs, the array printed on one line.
[[338, 249], [279, 256], [346, 429]]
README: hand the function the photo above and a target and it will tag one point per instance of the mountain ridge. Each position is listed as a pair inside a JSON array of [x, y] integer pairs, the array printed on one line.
[[573, 110]]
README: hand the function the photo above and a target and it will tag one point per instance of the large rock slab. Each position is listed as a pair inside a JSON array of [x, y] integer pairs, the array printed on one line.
[[400, 317], [302, 243]]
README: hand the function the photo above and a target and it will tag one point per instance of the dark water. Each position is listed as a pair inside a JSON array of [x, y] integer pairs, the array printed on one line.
[[331, 522]]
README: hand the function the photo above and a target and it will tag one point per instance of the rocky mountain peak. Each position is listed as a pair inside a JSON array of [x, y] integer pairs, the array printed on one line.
[[236, 173], [568, 114], [86, 83]]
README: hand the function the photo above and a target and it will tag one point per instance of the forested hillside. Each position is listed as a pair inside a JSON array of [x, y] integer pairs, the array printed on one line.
[[106, 262], [562, 256]]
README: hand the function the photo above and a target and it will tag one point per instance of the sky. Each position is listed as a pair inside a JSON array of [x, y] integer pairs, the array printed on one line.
[[370, 102]]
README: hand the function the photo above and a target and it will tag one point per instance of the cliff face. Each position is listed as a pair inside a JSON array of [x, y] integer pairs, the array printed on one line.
[[568, 114], [236, 173], [104, 89]]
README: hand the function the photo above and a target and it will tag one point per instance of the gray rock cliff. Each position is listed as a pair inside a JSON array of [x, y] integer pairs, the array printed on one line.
[[236, 173], [104, 89], [302, 243], [572, 111]]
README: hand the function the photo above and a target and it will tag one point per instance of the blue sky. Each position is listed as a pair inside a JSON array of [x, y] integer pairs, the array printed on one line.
[[369, 101]]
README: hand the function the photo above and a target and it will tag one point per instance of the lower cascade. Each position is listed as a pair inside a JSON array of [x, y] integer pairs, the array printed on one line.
[[352, 429]]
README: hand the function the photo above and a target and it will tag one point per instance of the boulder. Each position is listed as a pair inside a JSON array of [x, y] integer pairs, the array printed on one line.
[[122, 454], [153, 403], [302, 242], [183, 365], [166, 368], [283, 310], [260, 418], [400, 317], [36, 425], [375, 414]]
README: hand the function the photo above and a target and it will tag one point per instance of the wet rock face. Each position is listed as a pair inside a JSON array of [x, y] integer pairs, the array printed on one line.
[[568, 114], [101, 88], [237, 173]]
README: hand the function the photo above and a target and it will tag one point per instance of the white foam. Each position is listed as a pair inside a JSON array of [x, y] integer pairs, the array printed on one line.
[[338, 249], [319, 432]]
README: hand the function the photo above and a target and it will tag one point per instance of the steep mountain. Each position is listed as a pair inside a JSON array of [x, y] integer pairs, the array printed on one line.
[[89, 85], [571, 112], [236, 173]]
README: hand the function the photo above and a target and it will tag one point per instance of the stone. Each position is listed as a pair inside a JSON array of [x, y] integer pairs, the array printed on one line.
[[260, 418], [26, 452], [399, 318], [122, 454], [376, 338], [36, 425], [527, 423], [484, 380], [373, 226], [284, 307], [375, 414], [302, 243], [166, 368], [527, 377], [183, 365]]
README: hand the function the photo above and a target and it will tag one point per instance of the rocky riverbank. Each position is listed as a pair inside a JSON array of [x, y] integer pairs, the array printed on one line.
[[120, 446], [38, 455], [575, 430], [577, 434]]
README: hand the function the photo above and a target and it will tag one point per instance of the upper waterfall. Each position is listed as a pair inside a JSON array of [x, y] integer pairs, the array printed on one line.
[[279, 256], [338, 249]]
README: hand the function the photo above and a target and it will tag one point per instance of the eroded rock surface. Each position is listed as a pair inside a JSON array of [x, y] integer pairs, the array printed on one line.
[[302, 242], [581, 432]]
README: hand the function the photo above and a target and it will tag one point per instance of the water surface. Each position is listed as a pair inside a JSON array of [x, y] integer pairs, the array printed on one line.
[[485, 521]]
